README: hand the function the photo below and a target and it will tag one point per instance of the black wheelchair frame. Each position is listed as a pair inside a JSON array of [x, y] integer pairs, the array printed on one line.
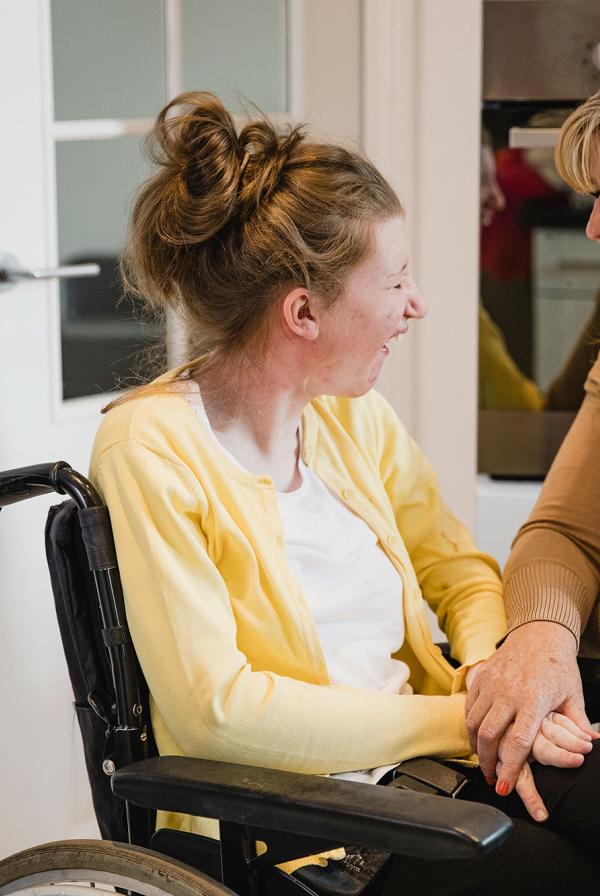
[[294, 814]]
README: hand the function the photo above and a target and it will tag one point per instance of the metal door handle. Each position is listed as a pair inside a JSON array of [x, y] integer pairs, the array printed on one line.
[[11, 273]]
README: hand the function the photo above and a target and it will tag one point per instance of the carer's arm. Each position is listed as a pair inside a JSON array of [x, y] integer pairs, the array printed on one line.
[[552, 582]]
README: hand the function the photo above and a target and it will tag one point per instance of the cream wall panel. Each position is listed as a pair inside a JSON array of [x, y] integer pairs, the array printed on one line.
[[389, 132], [332, 68], [447, 241], [422, 96]]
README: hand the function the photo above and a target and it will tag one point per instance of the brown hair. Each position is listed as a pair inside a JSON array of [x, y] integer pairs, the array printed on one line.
[[578, 146], [227, 222]]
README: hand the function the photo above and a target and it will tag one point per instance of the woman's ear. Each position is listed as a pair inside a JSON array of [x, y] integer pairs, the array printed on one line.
[[300, 314]]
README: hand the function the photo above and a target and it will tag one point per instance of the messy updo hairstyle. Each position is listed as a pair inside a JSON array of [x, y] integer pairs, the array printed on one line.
[[578, 146], [228, 221]]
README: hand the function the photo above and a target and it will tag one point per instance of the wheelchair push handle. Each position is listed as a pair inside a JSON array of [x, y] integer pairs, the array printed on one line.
[[40, 479]]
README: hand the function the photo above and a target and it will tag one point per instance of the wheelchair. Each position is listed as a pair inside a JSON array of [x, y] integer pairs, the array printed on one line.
[[293, 815]]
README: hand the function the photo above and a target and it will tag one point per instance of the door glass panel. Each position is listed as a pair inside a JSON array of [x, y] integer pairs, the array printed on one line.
[[237, 50], [102, 341], [110, 62], [109, 58]]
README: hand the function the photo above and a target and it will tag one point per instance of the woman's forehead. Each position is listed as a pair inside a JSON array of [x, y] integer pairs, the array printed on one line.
[[390, 249]]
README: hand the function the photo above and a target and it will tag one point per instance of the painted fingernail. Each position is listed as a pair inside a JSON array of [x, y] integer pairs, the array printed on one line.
[[541, 815], [490, 781], [502, 788]]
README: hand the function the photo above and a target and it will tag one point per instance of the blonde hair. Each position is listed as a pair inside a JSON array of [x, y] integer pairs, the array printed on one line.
[[578, 146], [227, 222]]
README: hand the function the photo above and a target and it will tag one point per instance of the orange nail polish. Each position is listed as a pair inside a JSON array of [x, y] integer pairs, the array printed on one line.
[[502, 788], [490, 781]]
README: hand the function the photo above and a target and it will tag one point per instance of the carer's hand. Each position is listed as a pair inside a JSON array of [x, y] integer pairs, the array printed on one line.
[[533, 673]]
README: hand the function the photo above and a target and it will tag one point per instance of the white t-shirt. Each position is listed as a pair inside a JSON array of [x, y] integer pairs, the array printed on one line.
[[352, 589]]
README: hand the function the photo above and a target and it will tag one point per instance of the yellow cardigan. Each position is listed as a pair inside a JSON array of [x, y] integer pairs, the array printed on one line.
[[223, 632]]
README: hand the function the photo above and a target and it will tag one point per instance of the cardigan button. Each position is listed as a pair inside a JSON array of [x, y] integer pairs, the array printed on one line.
[[347, 493], [392, 539]]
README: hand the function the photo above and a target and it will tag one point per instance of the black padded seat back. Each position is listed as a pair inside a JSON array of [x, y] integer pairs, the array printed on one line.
[[78, 614]]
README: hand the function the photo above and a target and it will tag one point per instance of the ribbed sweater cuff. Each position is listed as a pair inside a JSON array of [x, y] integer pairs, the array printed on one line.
[[545, 592]]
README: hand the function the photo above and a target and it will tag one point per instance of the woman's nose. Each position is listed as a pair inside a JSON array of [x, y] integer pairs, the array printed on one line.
[[415, 307], [592, 231]]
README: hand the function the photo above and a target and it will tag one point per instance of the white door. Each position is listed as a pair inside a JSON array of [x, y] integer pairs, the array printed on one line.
[[81, 80], [38, 745]]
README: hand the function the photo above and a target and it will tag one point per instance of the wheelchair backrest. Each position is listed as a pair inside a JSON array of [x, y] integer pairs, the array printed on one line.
[[111, 696], [89, 670], [95, 652]]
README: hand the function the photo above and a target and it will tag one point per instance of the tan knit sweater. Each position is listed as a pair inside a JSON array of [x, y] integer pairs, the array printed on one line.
[[553, 572]]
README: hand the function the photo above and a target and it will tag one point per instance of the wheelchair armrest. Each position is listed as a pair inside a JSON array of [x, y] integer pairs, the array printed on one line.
[[398, 821]]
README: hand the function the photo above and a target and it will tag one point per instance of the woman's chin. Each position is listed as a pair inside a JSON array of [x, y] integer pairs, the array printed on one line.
[[354, 386], [355, 390]]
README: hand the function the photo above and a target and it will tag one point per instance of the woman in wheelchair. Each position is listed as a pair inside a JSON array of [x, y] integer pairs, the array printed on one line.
[[278, 531]]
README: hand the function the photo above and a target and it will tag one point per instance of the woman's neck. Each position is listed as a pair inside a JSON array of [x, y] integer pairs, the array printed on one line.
[[255, 414]]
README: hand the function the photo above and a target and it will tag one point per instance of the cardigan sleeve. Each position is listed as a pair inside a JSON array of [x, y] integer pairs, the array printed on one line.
[[553, 572], [461, 584], [212, 701]]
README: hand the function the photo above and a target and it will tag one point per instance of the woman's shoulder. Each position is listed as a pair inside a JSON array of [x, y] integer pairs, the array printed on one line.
[[365, 417], [153, 417]]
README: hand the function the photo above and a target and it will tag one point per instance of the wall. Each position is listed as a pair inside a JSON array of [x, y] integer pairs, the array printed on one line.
[[501, 507], [331, 68]]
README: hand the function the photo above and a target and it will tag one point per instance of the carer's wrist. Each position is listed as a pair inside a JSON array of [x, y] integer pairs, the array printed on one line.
[[544, 631]]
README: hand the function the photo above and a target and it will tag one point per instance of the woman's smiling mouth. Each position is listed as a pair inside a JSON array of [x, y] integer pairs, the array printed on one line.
[[386, 345]]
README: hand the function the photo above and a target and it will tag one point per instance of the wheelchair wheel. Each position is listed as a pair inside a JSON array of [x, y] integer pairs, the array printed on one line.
[[95, 867]]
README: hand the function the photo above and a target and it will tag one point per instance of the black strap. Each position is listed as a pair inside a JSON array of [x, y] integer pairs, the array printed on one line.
[[98, 538], [115, 635], [99, 707], [442, 779]]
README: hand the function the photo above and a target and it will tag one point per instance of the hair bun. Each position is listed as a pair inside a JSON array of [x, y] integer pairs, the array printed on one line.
[[266, 154], [195, 141]]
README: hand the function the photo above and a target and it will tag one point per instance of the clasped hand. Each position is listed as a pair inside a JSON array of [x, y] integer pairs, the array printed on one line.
[[526, 702], [559, 742]]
